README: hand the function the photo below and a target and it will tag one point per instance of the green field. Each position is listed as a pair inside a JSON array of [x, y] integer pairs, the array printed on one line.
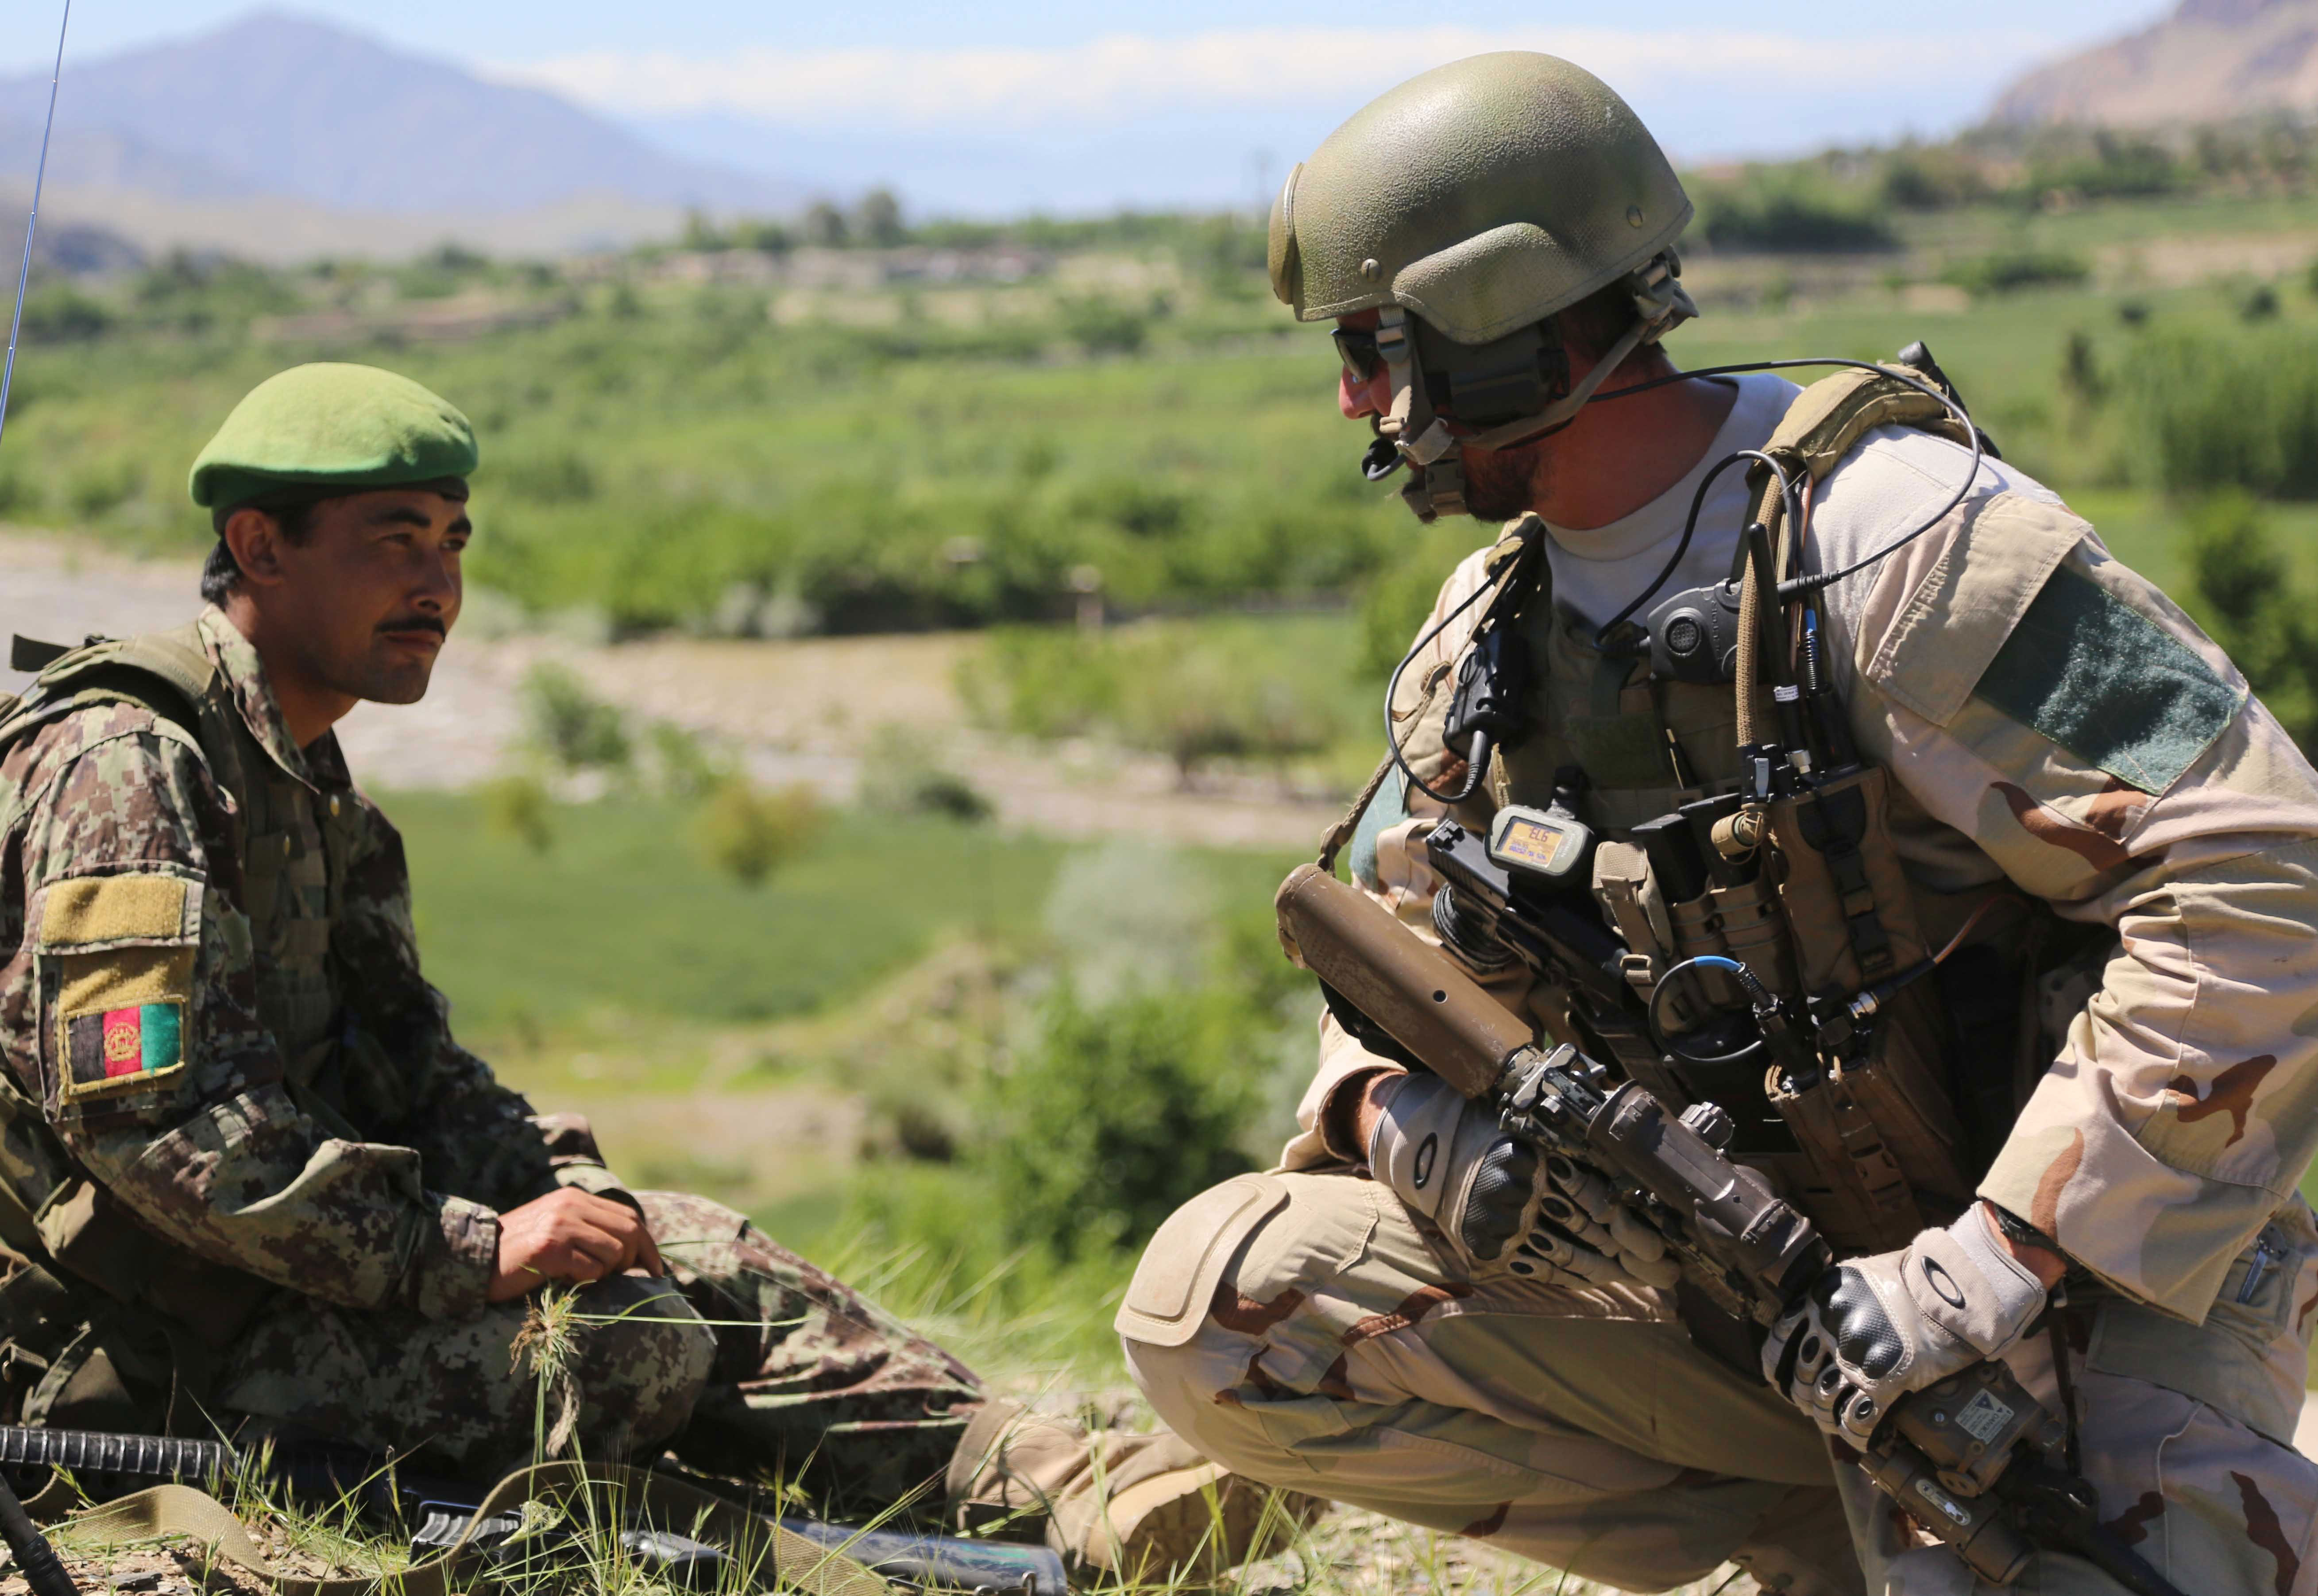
[[670, 454], [1136, 422], [623, 916], [905, 963]]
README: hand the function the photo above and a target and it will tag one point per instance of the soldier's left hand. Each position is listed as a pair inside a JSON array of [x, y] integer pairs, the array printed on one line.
[[1871, 1329]]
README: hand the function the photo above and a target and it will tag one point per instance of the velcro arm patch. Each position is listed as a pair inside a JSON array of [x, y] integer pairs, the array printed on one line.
[[141, 909], [120, 949], [121, 1021], [2089, 672]]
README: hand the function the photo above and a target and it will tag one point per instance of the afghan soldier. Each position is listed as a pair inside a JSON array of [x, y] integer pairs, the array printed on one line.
[[2078, 1148], [247, 1176]]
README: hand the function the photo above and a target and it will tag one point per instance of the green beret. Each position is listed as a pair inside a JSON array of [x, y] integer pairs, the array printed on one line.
[[321, 430]]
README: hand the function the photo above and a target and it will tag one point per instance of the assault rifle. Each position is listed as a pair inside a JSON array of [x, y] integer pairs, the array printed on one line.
[[1971, 1458], [437, 1513]]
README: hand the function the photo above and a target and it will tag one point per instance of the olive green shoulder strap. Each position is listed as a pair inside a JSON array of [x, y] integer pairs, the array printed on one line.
[[1828, 418], [167, 672], [1823, 425], [175, 657]]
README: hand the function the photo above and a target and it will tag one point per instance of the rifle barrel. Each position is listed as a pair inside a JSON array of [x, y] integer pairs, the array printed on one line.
[[939, 1561]]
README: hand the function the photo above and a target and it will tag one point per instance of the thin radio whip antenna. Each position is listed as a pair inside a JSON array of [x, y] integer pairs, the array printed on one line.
[[33, 221]]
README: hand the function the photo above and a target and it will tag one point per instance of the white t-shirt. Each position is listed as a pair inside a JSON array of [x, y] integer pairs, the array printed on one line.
[[1597, 571], [1893, 478]]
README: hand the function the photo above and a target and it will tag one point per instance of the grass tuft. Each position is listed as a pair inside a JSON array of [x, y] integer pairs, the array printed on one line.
[[547, 1346]]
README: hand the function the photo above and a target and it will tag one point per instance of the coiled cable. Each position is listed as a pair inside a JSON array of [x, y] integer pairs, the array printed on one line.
[[1757, 992]]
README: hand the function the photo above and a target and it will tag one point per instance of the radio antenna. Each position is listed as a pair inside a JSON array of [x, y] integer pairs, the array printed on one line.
[[33, 222]]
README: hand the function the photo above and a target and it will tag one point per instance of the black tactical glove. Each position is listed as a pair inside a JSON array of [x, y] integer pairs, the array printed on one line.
[[1499, 1204]]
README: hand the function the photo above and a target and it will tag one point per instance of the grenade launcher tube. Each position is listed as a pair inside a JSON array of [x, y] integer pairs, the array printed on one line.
[[1400, 982]]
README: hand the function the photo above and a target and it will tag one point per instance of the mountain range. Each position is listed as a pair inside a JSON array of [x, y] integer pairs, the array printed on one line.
[[2211, 60], [282, 137], [306, 117]]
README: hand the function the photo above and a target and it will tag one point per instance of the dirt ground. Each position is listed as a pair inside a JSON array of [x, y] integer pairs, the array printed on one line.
[[803, 711]]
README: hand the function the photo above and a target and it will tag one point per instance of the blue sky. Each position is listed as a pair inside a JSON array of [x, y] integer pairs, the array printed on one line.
[[1007, 104]]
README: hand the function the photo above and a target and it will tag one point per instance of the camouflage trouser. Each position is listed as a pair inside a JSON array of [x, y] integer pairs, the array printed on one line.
[[1305, 1331], [746, 1361]]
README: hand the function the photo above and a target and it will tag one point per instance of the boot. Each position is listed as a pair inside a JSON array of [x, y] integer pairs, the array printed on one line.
[[1137, 1507]]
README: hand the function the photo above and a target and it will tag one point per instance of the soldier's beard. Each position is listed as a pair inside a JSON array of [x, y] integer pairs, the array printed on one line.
[[405, 684], [388, 673], [1502, 483]]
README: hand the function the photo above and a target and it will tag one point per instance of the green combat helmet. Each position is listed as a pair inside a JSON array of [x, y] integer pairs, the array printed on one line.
[[1466, 207]]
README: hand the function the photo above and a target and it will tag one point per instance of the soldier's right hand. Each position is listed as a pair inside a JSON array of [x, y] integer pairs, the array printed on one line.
[[570, 1236], [1500, 1205]]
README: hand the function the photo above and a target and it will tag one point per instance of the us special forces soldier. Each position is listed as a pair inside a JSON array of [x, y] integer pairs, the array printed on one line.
[[248, 1178], [2077, 1147]]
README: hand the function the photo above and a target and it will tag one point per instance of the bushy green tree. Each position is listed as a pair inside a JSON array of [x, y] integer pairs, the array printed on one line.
[[1786, 212], [2232, 413], [878, 218], [1102, 326], [2252, 603], [2006, 271], [565, 720], [516, 806], [1122, 1111], [825, 225], [750, 834], [59, 313]]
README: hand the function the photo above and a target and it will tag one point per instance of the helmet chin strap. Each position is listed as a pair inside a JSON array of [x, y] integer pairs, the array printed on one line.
[[1436, 480], [1515, 432], [1436, 484], [1409, 426], [1399, 350]]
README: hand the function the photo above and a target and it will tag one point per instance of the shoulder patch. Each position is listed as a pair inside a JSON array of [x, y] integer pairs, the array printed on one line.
[[2092, 674], [120, 1021], [1941, 609], [121, 949], [92, 912], [121, 1050]]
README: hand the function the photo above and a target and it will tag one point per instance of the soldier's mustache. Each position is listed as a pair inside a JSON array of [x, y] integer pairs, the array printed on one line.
[[416, 624]]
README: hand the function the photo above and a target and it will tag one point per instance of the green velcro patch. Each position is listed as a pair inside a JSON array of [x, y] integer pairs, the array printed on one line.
[[2105, 682]]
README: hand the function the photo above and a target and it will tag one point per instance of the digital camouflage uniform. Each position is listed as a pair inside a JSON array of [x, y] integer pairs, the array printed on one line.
[[247, 1178], [2049, 719], [298, 1171]]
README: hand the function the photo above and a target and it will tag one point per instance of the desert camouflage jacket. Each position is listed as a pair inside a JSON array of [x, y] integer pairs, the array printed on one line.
[[2050, 718], [214, 1022]]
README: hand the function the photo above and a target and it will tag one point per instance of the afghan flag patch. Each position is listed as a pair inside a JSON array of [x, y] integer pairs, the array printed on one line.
[[115, 1050]]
